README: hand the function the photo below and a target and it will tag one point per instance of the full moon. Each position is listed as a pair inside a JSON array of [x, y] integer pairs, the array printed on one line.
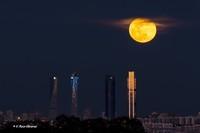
[[142, 30]]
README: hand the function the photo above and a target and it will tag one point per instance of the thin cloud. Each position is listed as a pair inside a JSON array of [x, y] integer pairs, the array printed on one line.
[[162, 24]]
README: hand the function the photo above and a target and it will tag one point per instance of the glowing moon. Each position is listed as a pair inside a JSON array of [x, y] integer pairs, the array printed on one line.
[[142, 30]]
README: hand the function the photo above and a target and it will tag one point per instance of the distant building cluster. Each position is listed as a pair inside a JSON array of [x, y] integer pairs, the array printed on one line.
[[9, 116], [110, 99], [171, 123], [72, 124], [154, 123]]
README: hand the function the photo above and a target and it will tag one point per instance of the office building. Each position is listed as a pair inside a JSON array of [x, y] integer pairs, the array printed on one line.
[[110, 96]]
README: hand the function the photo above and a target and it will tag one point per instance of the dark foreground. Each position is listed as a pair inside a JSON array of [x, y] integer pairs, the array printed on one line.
[[75, 125]]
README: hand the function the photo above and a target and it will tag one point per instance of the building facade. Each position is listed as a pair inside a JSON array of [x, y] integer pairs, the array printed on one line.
[[74, 83], [110, 96], [53, 98], [131, 83]]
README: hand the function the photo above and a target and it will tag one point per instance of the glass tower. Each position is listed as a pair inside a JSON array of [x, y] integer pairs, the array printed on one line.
[[74, 83], [131, 83], [53, 98], [110, 96]]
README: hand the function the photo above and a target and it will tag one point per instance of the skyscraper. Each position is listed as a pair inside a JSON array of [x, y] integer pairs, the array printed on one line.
[[110, 96], [53, 98], [131, 83], [74, 83]]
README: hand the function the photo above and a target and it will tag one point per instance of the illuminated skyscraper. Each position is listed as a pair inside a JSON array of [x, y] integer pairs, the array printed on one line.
[[74, 82], [131, 83], [110, 97], [53, 98]]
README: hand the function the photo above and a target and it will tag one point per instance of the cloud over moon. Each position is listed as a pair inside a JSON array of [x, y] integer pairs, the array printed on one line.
[[162, 24]]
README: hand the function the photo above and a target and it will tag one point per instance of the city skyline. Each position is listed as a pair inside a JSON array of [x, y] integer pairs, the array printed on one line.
[[109, 97]]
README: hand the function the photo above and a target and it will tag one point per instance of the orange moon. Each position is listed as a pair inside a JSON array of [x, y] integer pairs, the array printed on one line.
[[142, 30]]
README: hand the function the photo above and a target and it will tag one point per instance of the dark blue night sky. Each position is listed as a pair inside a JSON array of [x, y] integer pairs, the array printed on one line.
[[41, 39]]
